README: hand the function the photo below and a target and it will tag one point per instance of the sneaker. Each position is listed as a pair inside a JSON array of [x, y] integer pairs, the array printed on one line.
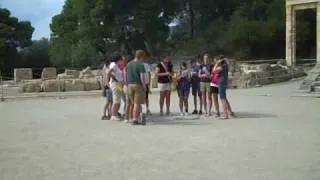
[[168, 113], [217, 115], [232, 114], [149, 113], [143, 119], [126, 121], [105, 117], [115, 118], [161, 113], [181, 114], [200, 112], [186, 114], [195, 112], [135, 122]]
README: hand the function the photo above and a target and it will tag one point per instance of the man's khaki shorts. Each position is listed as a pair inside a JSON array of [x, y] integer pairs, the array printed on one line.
[[136, 94], [205, 86]]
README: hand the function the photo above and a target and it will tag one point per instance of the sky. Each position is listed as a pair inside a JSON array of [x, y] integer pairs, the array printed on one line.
[[39, 12]]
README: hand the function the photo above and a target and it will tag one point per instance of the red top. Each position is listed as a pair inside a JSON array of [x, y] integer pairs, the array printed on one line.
[[120, 64], [214, 77]]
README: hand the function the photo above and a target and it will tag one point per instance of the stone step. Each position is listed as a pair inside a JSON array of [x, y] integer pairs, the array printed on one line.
[[316, 89], [316, 83]]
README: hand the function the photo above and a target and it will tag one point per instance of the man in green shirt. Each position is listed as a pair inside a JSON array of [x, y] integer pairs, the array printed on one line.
[[134, 78]]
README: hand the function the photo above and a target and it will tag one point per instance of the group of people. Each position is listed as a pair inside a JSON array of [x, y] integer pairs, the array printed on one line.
[[129, 83], [206, 77]]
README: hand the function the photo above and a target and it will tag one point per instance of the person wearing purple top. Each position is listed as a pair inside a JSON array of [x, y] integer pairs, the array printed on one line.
[[195, 84]]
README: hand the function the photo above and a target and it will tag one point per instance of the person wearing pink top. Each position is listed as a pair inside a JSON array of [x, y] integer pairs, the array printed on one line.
[[214, 90]]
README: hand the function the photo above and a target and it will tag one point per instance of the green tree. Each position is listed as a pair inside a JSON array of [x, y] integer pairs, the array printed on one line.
[[13, 34]]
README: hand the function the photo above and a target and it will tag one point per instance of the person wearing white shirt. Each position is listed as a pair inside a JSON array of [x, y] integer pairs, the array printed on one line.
[[116, 85]]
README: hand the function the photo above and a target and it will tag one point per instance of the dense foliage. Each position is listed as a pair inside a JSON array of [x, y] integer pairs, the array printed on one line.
[[87, 30], [14, 34]]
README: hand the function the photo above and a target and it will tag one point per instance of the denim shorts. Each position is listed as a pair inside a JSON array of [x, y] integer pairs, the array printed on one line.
[[222, 91]]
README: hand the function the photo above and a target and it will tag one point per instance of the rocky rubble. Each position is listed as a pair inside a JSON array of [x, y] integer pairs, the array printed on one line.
[[263, 74], [70, 80]]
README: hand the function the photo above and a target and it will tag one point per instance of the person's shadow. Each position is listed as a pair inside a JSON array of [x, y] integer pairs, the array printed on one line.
[[253, 115], [176, 119]]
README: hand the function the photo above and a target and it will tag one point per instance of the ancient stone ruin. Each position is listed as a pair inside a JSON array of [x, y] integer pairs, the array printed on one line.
[[49, 73], [70, 80], [241, 75], [22, 74]]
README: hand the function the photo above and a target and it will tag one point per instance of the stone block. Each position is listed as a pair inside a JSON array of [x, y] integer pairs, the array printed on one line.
[[72, 73], [22, 74], [65, 76], [97, 72], [74, 85], [91, 84], [86, 73], [49, 73], [53, 85], [31, 86]]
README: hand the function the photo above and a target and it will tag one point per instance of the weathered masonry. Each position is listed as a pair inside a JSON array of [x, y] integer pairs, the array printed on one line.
[[291, 7], [312, 81]]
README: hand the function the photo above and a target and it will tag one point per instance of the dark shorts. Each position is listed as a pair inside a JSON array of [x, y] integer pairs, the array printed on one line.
[[195, 86], [183, 92], [214, 89], [108, 94], [222, 91]]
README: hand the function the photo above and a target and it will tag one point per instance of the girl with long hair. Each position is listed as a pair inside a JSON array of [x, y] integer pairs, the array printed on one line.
[[164, 71], [183, 88]]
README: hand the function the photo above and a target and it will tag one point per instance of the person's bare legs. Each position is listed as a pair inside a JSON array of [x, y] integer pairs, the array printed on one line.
[[168, 95], [105, 108], [230, 109], [186, 104], [115, 109], [128, 110], [216, 103], [201, 101], [225, 108], [181, 104], [124, 99], [161, 101], [147, 101], [195, 102], [210, 102], [204, 101], [136, 111]]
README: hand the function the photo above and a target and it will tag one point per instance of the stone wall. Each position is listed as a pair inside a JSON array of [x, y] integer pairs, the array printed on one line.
[[70, 80], [263, 74], [22, 74], [49, 73]]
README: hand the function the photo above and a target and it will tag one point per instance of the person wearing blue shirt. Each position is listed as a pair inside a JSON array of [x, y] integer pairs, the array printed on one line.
[[222, 67], [195, 84]]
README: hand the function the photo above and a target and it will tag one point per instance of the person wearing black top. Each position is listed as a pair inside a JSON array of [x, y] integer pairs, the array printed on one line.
[[164, 71]]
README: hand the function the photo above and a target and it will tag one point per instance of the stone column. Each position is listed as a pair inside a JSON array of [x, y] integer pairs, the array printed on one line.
[[290, 36]]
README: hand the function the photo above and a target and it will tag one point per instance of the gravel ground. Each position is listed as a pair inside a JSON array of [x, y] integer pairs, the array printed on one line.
[[275, 137]]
